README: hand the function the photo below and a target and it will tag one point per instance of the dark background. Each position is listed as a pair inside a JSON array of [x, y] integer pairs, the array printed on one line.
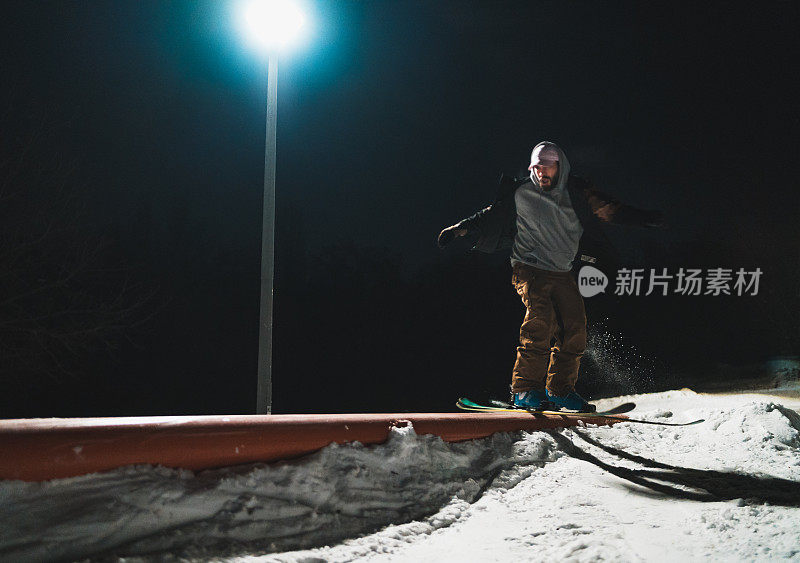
[[394, 120]]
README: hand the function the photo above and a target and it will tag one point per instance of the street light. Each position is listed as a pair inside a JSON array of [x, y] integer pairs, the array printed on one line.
[[272, 26]]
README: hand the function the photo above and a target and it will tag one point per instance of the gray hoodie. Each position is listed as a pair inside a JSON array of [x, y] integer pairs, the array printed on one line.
[[548, 230]]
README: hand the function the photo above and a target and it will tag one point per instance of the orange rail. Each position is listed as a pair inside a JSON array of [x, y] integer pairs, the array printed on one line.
[[41, 449]]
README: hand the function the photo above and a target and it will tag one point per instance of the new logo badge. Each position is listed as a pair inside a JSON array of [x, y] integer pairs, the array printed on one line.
[[591, 281]]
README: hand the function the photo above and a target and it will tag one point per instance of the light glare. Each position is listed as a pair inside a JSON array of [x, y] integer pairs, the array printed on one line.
[[272, 24]]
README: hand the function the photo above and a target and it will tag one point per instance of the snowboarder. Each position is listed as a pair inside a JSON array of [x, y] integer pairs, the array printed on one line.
[[548, 220]]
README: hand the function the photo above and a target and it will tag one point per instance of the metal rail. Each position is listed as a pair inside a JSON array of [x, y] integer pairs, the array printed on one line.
[[43, 449]]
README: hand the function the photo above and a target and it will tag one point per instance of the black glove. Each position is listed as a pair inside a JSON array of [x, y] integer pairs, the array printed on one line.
[[447, 236]]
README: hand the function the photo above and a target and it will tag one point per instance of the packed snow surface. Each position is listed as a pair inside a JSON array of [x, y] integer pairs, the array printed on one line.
[[727, 489]]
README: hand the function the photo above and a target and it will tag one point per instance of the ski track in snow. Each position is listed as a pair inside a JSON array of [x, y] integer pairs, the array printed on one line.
[[727, 489]]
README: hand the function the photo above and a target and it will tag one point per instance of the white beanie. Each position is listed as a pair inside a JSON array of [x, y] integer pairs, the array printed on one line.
[[545, 153]]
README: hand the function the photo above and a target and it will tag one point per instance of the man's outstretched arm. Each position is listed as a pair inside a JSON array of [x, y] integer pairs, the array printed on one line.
[[481, 221], [462, 228], [610, 210]]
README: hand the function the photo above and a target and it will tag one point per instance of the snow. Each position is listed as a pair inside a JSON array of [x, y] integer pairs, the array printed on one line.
[[727, 489]]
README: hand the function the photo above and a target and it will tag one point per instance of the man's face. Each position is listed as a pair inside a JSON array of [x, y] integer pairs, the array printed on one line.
[[546, 175]]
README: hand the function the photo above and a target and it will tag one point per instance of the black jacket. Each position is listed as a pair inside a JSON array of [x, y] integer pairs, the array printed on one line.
[[496, 225]]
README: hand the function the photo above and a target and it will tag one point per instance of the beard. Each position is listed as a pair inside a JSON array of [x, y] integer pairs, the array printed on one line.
[[547, 183]]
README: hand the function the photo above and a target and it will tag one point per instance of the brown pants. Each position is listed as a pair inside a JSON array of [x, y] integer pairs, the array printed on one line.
[[553, 334]]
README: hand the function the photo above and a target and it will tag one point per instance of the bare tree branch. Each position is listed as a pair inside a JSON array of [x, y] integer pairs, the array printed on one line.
[[64, 299]]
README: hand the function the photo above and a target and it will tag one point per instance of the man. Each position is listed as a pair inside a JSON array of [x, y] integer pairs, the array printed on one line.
[[546, 220]]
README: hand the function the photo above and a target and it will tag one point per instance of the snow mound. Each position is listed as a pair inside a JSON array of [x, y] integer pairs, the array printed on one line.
[[767, 423], [341, 491]]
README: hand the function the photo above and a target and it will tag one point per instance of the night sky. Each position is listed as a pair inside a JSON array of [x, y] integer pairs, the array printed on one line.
[[395, 120]]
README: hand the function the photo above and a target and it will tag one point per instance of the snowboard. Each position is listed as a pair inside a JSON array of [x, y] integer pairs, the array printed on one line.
[[611, 414]]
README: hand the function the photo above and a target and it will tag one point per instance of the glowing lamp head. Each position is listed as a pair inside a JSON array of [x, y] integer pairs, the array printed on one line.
[[272, 24]]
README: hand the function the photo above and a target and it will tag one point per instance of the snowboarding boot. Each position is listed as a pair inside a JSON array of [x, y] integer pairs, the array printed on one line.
[[571, 401], [531, 400]]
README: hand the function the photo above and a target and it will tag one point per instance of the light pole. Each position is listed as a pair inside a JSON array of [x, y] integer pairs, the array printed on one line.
[[272, 25]]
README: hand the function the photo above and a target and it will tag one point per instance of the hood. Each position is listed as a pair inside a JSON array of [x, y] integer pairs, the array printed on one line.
[[563, 167]]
